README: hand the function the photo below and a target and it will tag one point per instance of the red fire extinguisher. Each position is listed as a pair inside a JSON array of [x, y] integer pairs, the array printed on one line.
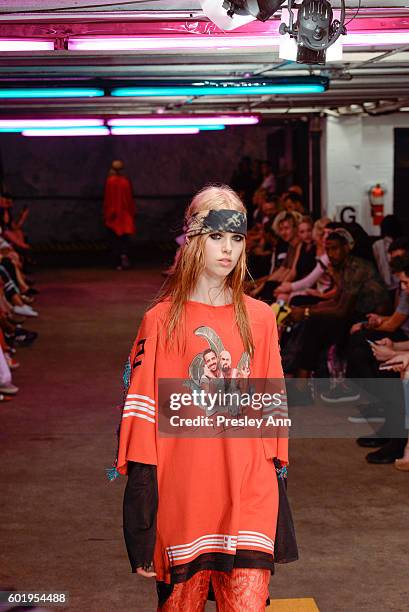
[[376, 199]]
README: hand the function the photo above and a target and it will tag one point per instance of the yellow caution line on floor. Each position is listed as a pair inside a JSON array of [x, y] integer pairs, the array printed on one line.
[[293, 605]]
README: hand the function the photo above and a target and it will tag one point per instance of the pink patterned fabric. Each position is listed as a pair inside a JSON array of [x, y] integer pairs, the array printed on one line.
[[240, 590]]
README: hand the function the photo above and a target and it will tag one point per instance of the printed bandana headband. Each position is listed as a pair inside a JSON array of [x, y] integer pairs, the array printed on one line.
[[224, 220]]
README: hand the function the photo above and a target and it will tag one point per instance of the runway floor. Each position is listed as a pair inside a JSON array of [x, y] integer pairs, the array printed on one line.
[[61, 520]]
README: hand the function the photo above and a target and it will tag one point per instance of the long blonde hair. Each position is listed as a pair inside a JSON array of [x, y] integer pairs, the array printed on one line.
[[190, 263]]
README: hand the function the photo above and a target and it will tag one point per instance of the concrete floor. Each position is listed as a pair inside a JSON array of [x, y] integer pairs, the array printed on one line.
[[60, 521]]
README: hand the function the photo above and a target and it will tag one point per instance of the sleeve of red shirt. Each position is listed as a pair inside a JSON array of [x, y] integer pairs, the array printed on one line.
[[137, 436]]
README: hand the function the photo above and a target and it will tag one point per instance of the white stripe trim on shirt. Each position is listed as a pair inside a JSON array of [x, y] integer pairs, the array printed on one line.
[[220, 542], [223, 542], [248, 538], [139, 415], [136, 406], [141, 397]]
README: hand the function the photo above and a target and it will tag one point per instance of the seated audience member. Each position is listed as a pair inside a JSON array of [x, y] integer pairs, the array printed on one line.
[[390, 230], [391, 436], [285, 225], [296, 189], [7, 388], [260, 255], [397, 323], [13, 229], [359, 291], [268, 181], [400, 363], [307, 252], [318, 284], [292, 202], [259, 199]]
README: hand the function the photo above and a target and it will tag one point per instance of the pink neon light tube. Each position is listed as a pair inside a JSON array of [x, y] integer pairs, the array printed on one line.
[[26, 45], [166, 43], [101, 131], [190, 120], [369, 39], [49, 123], [154, 43], [140, 131]]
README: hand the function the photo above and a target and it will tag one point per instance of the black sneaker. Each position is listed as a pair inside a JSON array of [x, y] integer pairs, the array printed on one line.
[[369, 414], [340, 393]]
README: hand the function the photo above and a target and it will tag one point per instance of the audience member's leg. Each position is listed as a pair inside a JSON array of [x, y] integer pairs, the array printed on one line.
[[318, 335]]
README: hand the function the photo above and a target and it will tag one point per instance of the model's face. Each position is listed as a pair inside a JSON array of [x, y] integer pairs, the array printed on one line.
[[305, 232], [222, 252], [286, 230], [404, 282], [211, 361], [337, 252], [225, 360]]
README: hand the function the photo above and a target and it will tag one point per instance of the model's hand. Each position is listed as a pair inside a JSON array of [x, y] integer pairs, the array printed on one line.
[[144, 573]]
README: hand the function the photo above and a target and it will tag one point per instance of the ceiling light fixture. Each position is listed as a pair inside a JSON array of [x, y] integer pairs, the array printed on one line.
[[140, 131], [167, 43], [183, 120], [26, 45], [298, 86], [96, 131], [315, 29], [52, 92], [23, 124]]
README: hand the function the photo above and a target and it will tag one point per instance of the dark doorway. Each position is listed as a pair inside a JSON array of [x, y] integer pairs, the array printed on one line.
[[401, 177]]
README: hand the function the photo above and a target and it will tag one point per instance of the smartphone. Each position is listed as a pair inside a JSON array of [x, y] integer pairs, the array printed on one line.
[[389, 366]]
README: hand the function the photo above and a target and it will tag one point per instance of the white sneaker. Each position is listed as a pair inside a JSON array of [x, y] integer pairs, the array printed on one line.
[[25, 311], [10, 389]]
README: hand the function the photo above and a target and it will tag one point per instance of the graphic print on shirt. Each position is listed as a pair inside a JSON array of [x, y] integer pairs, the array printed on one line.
[[212, 369]]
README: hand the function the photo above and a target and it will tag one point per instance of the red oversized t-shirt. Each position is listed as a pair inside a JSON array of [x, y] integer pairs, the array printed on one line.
[[217, 494]]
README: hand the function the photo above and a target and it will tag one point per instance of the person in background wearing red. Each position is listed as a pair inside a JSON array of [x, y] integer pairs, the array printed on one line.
[[119, 213]]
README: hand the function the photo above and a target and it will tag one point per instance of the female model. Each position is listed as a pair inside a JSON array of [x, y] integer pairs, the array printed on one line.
[[201, 512]]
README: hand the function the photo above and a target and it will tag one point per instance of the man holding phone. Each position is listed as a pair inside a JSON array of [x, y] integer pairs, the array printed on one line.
[[390, 352]]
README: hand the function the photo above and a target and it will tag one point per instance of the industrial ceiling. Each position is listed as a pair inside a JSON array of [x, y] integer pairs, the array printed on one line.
[[371, 78]]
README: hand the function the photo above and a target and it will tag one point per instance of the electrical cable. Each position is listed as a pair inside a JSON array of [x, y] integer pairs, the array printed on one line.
[[356, 14]]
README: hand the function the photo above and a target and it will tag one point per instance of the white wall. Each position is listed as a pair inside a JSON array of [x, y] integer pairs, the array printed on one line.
[[358, 152]]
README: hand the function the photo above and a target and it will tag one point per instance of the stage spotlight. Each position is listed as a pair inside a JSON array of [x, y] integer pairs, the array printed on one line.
[[260, 9], [315, 29], [231, 14]]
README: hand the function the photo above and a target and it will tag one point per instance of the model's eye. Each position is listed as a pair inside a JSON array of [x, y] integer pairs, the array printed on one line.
[[215, 236], [238, 237]]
